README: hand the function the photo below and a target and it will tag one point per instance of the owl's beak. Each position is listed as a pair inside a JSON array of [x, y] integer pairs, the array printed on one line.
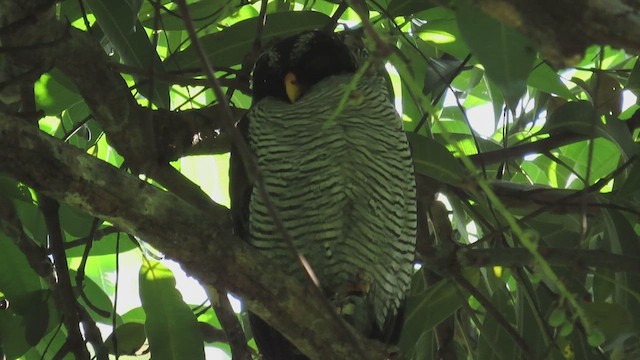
[[292, 87]]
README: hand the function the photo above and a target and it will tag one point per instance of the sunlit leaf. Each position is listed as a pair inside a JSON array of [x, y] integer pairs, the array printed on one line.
[[130, 338], [118, 20], [505, 54], [171, 327], [546, 79], [426, 310], [434, 160]]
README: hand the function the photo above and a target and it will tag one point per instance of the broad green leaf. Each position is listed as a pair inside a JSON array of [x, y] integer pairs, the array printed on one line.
[[613, 320], [52, 96], [99, 306], [118, 20], [12, 189], [627, 188], [546, 79], [434, 160], [575, 116], [407, 7], [427, 309], [623, 239], [530, 323], [577, 157], [135, 315], [425, 348], [27, 318], [203, 13], [498, 99], [89, 130], [228, 47], [70, 10], [506, 55], [75, 222], [17, 278], [495, 342], [603, 284], [171, 327], [442, 32], [618, 133], [633, 82], [130, 338], [105, 245], [439, 75]]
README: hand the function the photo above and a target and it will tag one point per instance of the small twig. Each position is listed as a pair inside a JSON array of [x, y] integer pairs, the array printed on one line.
[[348, 90], [114, 317], [262, 17], [81, 270], [518, 151], [382, 47], [63, 290], [235, 336], [342, 7], [559, 202], [497, 315], [100, 233]]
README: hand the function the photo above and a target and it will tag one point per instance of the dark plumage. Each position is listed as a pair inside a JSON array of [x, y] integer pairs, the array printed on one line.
[[344, 189], [311, 56]]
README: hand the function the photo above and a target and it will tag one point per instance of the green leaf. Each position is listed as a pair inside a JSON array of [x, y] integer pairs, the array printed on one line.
[[75, 222], [171, 327], [506, 55], [204, 14], [100, 306], [442, 32], [579, 117], [130, 338], [407, 7], [439, 74], [612, 320], [622, 239], [52, 95], [557, 317], [432, 159], [118, 20], [105, 245], [574, 116], [17, 278], [427, 309], [495, 342], [228, 47], [545, 79], [26, 321], [633, 83]]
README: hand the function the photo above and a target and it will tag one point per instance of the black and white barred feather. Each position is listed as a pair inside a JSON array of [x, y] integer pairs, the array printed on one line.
[[341, 179]]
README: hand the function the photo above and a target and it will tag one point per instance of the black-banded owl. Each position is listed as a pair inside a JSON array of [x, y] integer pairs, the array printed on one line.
[[340, 177]]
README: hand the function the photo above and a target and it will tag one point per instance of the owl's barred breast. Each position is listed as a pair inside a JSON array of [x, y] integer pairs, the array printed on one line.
[[345, 189]]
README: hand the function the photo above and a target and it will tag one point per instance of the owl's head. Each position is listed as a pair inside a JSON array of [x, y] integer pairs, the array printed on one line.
[[292, 66]]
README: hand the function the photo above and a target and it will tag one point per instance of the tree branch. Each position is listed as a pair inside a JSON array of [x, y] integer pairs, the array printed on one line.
[[201, 241], [62, 289], [558, 36]]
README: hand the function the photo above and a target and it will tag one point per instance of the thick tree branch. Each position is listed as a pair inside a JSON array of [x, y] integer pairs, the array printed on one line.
[[201, 241], [563, 29]]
